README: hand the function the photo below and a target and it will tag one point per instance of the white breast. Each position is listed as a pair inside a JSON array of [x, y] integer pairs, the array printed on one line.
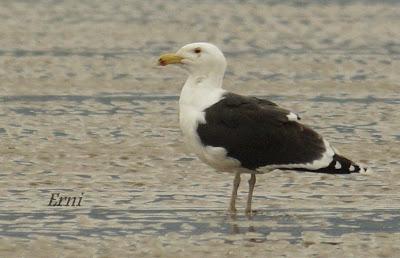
[[193, 101]]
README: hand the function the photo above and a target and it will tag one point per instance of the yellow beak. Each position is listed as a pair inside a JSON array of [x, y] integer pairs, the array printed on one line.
[[167, 59]]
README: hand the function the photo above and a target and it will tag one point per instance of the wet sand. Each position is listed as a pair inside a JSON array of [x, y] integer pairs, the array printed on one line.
[[85, 109]]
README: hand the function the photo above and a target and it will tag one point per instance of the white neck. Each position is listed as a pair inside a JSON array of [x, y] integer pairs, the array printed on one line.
[[205, 80], [202, 90]]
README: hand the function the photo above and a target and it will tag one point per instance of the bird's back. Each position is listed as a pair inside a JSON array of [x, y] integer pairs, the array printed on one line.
[[258, 133]]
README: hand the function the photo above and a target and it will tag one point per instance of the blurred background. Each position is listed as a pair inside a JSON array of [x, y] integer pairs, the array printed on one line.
[[85, 108], [112, 46]]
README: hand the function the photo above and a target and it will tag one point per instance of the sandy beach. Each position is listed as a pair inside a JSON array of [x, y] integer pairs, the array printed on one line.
[[85, 110]]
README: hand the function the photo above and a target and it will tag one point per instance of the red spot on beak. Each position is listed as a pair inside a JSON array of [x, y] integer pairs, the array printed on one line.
[[162, 62]]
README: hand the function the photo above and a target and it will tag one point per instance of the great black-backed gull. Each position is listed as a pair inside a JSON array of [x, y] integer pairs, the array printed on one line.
[[240, 134]]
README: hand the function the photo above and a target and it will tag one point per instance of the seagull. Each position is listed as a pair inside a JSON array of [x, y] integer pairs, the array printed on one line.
[[243, 134]]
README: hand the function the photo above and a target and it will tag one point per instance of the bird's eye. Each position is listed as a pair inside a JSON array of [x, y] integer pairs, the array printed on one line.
[[197, 50]]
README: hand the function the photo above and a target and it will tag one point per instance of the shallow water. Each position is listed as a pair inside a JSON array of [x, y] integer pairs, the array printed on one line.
[[84, 109]]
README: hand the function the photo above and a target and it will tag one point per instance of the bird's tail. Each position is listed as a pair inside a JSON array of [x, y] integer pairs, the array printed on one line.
[[342, 165]]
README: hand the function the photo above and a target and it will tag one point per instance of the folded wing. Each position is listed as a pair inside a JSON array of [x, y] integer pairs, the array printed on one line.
[[259, 133]]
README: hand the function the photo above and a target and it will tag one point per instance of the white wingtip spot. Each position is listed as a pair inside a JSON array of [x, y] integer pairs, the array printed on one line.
[[365, 171], [292, 117], [351, 168], [338, 165]]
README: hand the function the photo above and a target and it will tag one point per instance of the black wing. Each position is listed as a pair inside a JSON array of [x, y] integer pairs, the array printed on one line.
[[258, 133]]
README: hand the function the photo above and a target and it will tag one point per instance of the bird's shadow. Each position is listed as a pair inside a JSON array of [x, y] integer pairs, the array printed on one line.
[[233, 220]]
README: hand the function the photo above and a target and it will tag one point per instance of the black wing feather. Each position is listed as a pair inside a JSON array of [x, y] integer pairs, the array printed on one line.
[[258, 133]]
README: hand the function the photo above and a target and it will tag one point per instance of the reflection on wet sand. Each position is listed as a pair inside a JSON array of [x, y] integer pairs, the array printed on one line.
[[117, 149]]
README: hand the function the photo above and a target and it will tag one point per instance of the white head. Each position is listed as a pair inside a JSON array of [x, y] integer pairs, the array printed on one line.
[[199, 59]]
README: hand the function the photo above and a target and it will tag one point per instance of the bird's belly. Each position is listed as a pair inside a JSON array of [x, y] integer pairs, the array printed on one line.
[[215, 157]]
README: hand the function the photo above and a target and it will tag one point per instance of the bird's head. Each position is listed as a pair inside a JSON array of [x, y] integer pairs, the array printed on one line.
[[202, 58]]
